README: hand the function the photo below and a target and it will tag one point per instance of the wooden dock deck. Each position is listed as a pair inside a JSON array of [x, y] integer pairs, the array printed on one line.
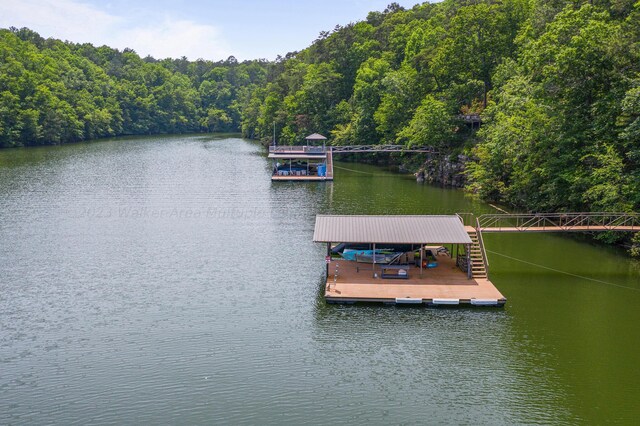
[[443, 285]]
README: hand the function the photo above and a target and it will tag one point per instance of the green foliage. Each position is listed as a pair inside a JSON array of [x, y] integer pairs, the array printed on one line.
[[53, 92], [430, 126], [557, 84], [635, 247], [560, 133], [377, 72], [397, 103]]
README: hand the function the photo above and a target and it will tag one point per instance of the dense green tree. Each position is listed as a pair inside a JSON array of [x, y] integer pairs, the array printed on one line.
[[366, 98], [553, 139], [431, 125], [557, 84], [400, 94], [53, 92]]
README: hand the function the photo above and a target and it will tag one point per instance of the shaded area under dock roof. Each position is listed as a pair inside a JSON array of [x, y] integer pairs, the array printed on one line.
[[445, 229]]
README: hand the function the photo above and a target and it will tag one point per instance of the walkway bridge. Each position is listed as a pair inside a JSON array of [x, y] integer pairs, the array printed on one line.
[[539, 222], [346, 149], [559, 222], [353, 149]]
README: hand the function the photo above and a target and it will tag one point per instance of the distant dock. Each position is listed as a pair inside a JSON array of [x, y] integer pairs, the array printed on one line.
[[302, 162], [314, 162]]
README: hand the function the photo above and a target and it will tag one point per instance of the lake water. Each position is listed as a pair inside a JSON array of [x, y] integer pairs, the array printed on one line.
[[167, 280]]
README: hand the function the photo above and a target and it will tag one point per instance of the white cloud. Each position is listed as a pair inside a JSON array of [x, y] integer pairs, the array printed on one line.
[[65, 19], [176, 38], [79, 22]]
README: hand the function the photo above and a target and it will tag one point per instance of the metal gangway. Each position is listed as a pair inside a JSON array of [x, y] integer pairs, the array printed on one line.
[[560, 222], [347, 149], [354, 149], [540, 222]]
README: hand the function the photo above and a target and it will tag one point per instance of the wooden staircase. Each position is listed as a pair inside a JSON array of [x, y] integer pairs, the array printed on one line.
[[329, 173], [478, 268]]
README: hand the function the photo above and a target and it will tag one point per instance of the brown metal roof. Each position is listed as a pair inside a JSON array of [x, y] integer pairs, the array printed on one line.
[[390, 229], [316, 137]]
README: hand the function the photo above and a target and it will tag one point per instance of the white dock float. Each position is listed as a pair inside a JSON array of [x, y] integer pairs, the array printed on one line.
[[484, 302], [408, 301], [446, 301]]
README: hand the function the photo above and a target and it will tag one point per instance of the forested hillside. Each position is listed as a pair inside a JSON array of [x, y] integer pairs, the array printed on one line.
[[54, 92], [556, 84]]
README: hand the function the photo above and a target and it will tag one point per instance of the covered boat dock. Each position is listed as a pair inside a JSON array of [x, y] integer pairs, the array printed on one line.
[[403, 279], [309, 162]]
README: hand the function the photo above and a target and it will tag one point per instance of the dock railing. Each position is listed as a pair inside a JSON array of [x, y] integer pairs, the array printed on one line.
[[467, 219], [297, 149], [559, 222]]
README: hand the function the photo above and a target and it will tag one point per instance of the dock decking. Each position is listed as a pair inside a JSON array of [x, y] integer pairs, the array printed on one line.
[[300, 178], [445, 284]]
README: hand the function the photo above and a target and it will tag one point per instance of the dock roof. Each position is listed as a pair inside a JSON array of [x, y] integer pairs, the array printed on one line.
[[316, 137], [390, 229]]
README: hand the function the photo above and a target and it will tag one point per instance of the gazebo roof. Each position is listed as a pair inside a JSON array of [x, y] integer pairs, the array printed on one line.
[[316, 137]]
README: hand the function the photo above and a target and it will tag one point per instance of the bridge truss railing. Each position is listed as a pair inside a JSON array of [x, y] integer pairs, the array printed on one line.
[[345, 149], [286, 149], [566, 222]]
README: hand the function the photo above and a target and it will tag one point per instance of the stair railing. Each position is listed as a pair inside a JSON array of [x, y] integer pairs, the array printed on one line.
[[485, 260], [466, 218]]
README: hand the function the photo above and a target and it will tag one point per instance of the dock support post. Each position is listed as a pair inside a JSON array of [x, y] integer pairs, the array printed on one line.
[[455, 254], [328, 256], [421, 256], [374, 260]]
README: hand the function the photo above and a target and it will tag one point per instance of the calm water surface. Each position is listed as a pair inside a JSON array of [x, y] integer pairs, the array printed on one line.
[[167, 280]]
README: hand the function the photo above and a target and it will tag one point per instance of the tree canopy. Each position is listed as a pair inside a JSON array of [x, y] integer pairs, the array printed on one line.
[[53, 92], [555, 82]]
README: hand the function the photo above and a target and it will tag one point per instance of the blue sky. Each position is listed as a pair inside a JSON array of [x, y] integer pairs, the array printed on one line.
[[215, 29]]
